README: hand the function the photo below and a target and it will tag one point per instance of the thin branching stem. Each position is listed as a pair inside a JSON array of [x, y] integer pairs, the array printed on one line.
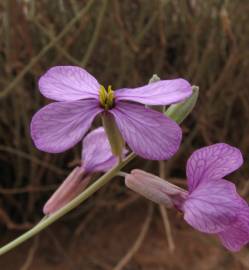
[[48, 220]]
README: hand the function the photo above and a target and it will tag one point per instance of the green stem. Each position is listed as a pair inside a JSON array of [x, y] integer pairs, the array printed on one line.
[[46, 221]]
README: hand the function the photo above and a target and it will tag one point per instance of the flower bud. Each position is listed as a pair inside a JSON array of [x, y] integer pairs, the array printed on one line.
[[155, 189], [72, 186], [178, 112]]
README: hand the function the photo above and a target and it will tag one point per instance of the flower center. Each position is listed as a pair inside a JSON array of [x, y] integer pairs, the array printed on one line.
[[106, 98]]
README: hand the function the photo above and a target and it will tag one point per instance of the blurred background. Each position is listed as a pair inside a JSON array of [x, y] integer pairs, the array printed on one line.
[[122, 43]]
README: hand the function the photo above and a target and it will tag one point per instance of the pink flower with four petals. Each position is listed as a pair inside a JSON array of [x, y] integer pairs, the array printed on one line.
[[80, 98], [211, 204]]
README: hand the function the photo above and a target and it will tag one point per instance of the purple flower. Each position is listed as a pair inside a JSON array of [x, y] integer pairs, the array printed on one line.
[[80, 98], [96, 157], [211, 204]]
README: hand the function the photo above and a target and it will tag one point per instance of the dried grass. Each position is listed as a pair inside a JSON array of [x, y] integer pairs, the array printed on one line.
[[122, 43]]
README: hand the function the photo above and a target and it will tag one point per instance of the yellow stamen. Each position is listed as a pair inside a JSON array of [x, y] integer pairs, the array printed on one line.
[[109, 89], [106, 98]]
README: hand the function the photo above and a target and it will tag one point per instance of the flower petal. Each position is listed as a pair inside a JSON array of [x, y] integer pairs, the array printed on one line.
[[67, 83], [212, 162], [237, 235], [96, 153], [157, 93], [149, 133], [213, 206], [60, 125]]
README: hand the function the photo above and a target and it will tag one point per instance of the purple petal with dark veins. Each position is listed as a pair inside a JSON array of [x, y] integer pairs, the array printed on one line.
[[236, 236], [163, 92], [213, 206], [212, 162], [60, 125], [68, 83], [148, 133]]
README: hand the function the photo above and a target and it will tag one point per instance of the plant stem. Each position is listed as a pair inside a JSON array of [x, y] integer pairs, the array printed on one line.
[[48, 220]]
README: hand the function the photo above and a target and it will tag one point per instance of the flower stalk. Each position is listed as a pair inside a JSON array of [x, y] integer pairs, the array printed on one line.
[[114, 136], [48, 220]]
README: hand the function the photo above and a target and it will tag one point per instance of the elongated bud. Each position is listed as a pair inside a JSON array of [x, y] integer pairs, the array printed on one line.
[[178, 112], [72, 186], [155, 189], [114, 136]]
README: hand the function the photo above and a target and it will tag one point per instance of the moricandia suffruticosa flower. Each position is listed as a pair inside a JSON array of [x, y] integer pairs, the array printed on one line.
[[80, 98], [96, 157], [211, 204]]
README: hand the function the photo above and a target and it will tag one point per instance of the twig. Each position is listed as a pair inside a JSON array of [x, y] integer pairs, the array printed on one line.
[[48, 220], [31, 254], [51, 37], [27, 189], [164, 214], [15, 82], [95, 34], [98, 263], [61, 249], [83, 224], [167, 228], [137, 244], [122, 205], [32, 158], [10, 224]]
